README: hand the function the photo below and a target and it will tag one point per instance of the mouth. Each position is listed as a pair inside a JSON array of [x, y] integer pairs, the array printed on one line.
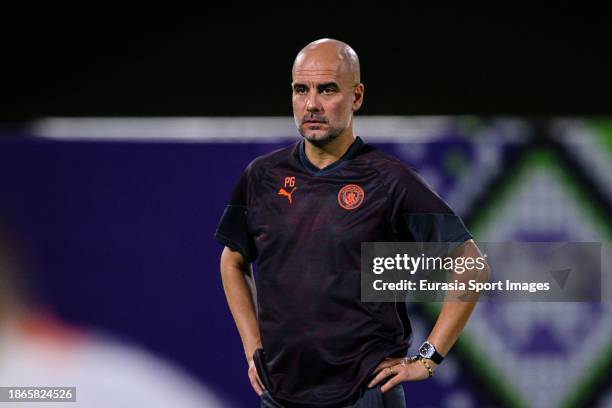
[[313, 120]]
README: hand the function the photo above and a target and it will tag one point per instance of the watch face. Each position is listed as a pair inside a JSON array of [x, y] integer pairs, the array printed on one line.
[[426, 350]]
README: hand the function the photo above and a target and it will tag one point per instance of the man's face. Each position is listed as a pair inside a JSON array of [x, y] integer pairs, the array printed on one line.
[[325, 95]]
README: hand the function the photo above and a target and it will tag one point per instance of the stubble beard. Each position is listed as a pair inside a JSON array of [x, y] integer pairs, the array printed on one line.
[[321, 141]]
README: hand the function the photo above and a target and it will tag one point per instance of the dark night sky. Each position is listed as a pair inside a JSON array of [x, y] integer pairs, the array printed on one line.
[[215, 63]]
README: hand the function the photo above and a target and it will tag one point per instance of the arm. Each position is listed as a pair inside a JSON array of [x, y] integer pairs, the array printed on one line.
[[451, 321], [455, 313], [235, 273]]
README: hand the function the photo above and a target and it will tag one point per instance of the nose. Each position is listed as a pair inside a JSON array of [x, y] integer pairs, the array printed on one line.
[[313, 104]]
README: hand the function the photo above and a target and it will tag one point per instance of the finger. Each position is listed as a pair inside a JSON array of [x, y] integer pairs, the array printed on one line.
[[263, 387], [386, 372], [393, 381], [381, 366], [256, 384], [385, 364], [256, 387]]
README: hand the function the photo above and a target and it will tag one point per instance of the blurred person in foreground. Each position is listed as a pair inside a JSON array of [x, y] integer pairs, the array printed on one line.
[[301, 213], [38, 350]]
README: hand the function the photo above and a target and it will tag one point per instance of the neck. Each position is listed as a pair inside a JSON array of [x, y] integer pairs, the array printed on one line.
[[322, 157]]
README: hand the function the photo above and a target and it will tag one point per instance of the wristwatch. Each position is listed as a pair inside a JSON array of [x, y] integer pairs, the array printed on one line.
[[427, 350]]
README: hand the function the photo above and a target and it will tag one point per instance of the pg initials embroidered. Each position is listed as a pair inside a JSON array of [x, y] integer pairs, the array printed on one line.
[[289, 182], [350, 196]]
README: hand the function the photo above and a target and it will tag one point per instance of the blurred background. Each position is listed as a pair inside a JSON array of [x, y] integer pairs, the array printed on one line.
[[121, 143]]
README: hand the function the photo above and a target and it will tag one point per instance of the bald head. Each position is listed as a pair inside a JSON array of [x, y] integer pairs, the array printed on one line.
[[328, 54], [326, 90]]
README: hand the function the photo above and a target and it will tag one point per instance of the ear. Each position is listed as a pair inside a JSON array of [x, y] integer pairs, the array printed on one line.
[[357, 96]]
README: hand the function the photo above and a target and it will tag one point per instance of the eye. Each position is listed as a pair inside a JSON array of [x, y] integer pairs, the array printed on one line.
[[299, 89], [328, 90]]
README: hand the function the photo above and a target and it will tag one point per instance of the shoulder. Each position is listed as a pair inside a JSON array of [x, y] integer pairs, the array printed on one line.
[[270, 160], [387, 164], [402, 180]]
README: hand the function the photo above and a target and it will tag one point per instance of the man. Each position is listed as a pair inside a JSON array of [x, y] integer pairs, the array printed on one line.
[[301, 213]]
